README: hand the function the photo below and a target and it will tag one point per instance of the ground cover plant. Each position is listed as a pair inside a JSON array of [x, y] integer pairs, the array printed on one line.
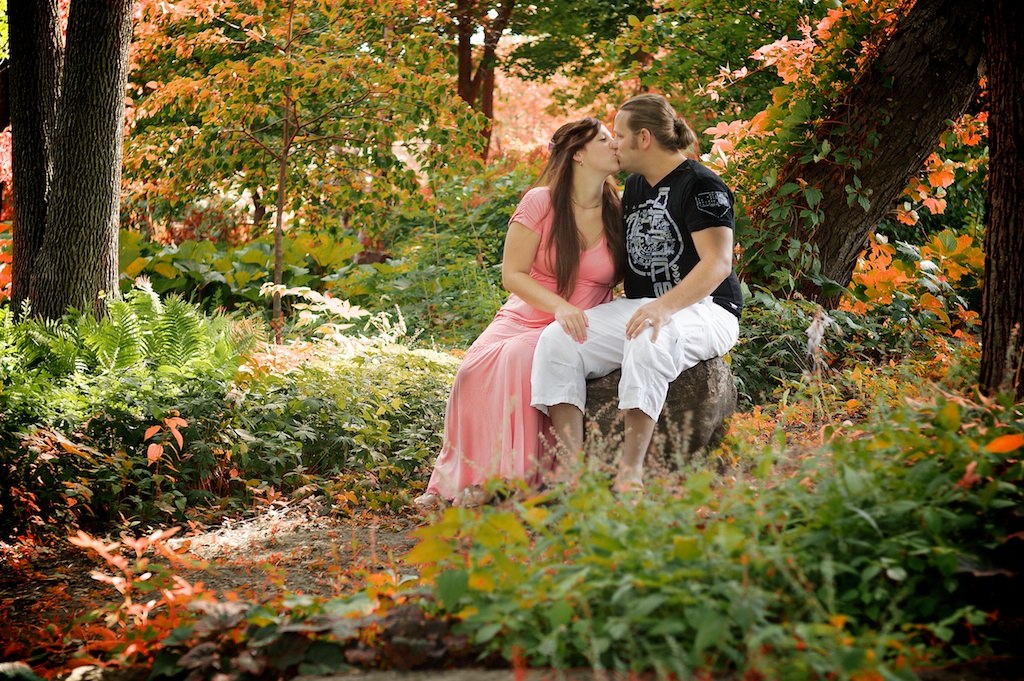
[[869, 558], [843, 550], [160, 409]]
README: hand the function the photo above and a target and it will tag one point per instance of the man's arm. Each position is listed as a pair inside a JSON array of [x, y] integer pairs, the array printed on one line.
[[714, 246]]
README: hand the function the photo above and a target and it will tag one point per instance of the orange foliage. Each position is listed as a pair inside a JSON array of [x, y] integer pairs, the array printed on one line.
[[5, 260], [524, 119], [879, 276], [6, 213], [944, 260]]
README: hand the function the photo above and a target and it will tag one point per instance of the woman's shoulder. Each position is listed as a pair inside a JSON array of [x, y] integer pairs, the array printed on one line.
[[534, 209], [537, 195]]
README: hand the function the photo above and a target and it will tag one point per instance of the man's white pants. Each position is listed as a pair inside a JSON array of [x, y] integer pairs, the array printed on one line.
[[561, 366]]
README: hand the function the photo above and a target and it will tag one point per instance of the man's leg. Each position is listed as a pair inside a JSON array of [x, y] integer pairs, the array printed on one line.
[[561, 367], [567, 422], [699, 332], [639, 431]]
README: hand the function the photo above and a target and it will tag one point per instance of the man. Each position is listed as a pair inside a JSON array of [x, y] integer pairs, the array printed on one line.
[[682, 302]]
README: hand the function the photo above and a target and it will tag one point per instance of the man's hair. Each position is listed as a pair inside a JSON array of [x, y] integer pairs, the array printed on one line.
[[655, 113]]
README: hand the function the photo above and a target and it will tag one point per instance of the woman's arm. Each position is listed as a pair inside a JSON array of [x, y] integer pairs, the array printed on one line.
[[521, 246]]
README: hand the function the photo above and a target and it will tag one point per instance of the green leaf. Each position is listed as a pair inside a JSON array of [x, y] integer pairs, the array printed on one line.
[[711, 628], [559, 614], [452, 585]]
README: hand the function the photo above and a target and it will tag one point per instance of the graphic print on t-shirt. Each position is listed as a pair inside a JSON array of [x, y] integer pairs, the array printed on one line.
[[653, 242], [714, 203]]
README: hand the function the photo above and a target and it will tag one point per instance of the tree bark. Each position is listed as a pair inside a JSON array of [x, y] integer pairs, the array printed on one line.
[[35, 66], [925, 75], [1002, 317], [476, 87], [77, 264]]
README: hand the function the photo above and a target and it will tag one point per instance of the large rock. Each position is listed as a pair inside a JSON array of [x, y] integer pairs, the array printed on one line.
[[692, 421]]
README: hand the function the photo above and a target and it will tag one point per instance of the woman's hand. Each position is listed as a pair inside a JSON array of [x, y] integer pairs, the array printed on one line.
[[573, 321]]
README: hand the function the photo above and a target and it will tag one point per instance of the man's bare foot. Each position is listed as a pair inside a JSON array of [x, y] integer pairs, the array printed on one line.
[[628, 485], [471, 497]]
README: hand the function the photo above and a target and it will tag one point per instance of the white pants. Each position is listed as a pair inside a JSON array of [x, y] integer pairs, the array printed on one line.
[[561, 366]]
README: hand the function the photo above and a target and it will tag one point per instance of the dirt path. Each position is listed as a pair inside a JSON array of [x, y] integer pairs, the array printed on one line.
[[294, 547]]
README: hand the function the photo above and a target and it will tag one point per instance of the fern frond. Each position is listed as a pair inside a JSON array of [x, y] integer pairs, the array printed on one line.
[[182, 333], [145, 300], [118, 340]]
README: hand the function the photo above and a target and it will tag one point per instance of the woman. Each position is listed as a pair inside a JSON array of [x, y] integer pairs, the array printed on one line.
[[564, 253]]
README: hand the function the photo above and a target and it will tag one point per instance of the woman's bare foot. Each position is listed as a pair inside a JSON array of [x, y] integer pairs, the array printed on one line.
[[430, 502]]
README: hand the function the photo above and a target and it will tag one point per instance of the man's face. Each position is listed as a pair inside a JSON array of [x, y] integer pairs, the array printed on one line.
[[627, 148]]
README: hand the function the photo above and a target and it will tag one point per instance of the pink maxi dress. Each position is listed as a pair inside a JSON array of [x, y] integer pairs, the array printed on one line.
[[490, 429]]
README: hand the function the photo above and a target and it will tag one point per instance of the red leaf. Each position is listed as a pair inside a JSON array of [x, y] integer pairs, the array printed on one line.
[[154, 452], [969, 479]]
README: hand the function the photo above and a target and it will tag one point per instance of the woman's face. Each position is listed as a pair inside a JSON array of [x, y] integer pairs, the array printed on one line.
[[599, 153]]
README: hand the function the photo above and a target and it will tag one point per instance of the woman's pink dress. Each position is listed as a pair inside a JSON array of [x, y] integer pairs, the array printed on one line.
[[490, 429]]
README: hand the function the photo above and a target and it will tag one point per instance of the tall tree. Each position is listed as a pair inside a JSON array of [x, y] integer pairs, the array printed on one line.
[[320, 110], [614, 49], [489, 19], [67, 122], [1003, 298], [36, 61], [888, 122]]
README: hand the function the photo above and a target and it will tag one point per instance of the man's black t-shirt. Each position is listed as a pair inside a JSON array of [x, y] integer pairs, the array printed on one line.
[[659, 222]]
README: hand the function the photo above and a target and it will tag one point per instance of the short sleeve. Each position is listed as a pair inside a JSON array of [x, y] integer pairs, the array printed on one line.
[[710, 204], [533, 209]]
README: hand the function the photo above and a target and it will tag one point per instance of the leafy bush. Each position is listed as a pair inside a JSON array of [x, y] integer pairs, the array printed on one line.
[[445, 272], [873, 557], [772, 346], [221, 275], [159, 409]]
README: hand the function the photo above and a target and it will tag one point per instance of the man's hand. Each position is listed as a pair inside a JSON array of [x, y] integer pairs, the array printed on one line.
[[653, 315]]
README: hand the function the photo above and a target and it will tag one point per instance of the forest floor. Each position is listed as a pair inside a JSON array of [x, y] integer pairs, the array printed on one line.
[[294, 546]]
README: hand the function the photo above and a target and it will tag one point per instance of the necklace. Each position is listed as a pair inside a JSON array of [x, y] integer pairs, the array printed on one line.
[[580, 205]]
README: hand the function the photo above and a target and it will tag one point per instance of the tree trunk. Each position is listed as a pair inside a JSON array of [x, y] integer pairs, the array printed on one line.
[[76, 265], [35, 68], [925, 75], [1002, 317], [288, 113], [464, 27], [476, 88]]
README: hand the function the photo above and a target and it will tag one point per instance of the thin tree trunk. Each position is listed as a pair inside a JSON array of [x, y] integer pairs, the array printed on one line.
[[277, 316], [77, 264], [35, 72], [925, 75], [476, 88], [464, 26], [1002, 317]]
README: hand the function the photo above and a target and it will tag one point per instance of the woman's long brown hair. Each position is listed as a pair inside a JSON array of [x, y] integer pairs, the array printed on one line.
[[567, 240]]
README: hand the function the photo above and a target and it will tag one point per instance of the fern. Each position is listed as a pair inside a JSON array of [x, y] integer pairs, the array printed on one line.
[[117, 341], [181, 333], [53, 344]]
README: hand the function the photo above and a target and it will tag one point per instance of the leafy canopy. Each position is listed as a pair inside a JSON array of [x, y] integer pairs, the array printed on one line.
[[363, 85]]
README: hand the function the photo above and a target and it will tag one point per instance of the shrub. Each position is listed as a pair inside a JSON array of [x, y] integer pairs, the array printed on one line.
[[871, 558], [445, 272], [159, 409]]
